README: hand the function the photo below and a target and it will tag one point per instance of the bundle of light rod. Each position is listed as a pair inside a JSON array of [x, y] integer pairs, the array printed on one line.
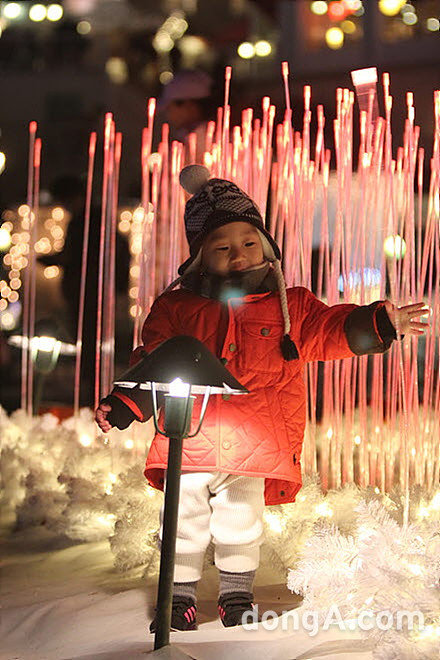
[[376, 232]]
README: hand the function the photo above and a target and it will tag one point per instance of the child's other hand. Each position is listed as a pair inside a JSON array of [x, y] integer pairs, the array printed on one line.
[[101, 417], [402, 318]]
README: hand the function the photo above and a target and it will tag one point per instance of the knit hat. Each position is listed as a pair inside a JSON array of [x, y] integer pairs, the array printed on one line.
[[218, 202]]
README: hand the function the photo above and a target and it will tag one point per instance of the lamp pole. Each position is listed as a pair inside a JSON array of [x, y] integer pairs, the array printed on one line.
[[177, 419]]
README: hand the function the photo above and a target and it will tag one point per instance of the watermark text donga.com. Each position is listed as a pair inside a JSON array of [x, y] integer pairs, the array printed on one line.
[[313, 621]]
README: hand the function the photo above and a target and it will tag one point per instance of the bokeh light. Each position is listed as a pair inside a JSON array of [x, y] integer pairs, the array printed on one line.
[[433, 24], [5, 239], [319, 7], [394, 247], [246, 50], [390, 7], [54, 12], [334, 38], [83, 27], [117, 71], [263, 48], [409, 18], [37, 13], [12, 10], [166, 77]]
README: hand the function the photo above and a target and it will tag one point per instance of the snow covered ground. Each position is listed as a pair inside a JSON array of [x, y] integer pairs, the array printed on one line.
[[64, 600]]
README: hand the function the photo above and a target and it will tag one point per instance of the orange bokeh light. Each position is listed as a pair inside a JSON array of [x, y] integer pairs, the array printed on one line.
[[337, 11]]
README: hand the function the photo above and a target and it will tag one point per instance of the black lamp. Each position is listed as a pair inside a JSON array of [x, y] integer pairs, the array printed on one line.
[[47, 344], [180, 367]]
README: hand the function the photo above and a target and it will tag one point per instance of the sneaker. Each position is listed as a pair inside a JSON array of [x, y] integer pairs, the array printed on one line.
[[183, 615], [232, 606]]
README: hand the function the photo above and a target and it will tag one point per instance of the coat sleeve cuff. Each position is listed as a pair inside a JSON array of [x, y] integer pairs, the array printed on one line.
[[137, 412], [368, 329], [385, 328]]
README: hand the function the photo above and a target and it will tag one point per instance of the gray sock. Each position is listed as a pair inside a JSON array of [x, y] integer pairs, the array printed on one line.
[[187, 589], [235, 582]]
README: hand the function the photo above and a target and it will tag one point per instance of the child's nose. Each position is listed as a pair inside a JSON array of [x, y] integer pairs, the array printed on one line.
[[237, 255]]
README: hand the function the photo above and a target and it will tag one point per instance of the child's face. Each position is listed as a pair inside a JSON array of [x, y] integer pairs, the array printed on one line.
[[233, 247]]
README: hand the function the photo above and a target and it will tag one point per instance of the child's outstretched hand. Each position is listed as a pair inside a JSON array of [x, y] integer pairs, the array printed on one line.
[[101, 417], [402, 318]]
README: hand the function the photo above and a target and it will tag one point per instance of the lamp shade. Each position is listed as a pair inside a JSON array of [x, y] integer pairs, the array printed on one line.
[[186, 358]]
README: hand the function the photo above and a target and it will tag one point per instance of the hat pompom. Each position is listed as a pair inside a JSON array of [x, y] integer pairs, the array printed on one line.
[[193, 177]]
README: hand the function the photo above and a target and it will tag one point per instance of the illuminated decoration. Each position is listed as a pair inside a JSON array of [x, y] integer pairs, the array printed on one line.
[[37, 13], [263, 48], [334, 38], [117, 71], [83, 27], [394, 247], [54, 12], [246, 50], [319, 7], [409, 18], [2, 162], [433, 24], [337, 10], [390, 7], [12, 10]]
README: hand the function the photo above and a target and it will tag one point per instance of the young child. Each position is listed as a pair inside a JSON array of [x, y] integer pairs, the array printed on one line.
[[233, 298]]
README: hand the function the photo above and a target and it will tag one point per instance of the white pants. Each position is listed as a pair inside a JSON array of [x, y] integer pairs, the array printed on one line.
[[225, 507]]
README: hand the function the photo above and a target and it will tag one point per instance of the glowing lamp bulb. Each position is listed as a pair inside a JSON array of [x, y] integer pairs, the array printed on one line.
[[179, 388], [129, 444], [46, 344], [2, 161]]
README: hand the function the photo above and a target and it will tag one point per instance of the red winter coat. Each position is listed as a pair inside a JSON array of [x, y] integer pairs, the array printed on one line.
[[259, 434]]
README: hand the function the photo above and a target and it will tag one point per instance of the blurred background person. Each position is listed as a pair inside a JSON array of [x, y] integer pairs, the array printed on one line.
[[187, 105]]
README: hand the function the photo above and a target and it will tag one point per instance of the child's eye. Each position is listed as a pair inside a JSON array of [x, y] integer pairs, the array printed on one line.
[[223, 248], [250, 243]]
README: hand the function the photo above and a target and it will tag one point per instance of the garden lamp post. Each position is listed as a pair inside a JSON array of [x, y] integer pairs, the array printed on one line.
[[180, 367]]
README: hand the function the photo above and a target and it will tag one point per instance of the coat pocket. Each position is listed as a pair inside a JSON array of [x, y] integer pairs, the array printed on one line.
[[261, 347]]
